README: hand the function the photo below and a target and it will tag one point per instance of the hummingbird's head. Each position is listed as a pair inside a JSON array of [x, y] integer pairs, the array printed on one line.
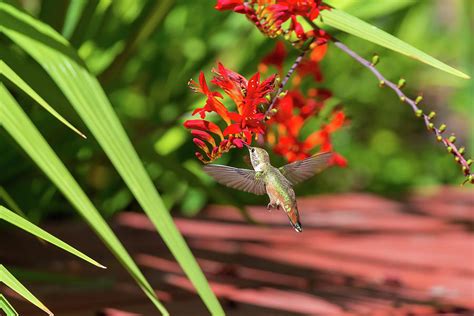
[[259, 157]]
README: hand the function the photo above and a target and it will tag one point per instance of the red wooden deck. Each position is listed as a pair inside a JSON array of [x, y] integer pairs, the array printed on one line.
[[359, 254]]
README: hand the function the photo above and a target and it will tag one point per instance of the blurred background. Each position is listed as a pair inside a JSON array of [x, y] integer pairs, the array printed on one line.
[[144, 53]]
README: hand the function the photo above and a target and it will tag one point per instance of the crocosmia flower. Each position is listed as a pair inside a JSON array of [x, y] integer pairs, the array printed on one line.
[[269, 15], [244, 119], [285, 127], [295, 108]]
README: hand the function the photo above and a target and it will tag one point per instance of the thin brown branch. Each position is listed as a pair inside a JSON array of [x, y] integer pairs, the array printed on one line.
[[447, 142], [295, 65]]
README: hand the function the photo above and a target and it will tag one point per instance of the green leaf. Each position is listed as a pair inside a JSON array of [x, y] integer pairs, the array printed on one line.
[[73, 15], [371, 8], [10, 281], [8, 73], [20, 127], [352, 25], [87, 97], [10, 201], [6, 307], [24, 224]]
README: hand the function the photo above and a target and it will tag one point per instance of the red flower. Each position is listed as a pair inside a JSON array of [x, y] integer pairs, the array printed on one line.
[[250, 98], [293, 111], [212, 104], [323, 137], [269, 15]]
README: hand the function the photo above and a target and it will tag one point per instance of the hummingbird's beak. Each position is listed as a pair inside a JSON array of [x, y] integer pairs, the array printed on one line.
[[248, 146]]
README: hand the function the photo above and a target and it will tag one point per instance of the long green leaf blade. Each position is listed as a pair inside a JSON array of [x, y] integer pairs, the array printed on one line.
[[6, 307], [14, 219], [6, 71], [10, 281], [20, 127], [73, 15], [89, 100], [355, 26]]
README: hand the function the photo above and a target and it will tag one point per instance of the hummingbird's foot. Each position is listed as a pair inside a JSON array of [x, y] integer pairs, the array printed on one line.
[[271, 206]]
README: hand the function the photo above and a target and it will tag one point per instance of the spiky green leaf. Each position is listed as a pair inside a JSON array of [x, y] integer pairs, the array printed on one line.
[[355, 26]]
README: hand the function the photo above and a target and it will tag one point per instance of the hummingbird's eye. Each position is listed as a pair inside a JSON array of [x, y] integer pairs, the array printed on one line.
[[252, 150]]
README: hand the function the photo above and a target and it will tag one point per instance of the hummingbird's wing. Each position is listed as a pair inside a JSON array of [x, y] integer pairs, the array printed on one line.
[[241, 179], [301, 170]]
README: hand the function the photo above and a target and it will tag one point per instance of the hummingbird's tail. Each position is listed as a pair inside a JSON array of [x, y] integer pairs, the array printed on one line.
[[295, 219]]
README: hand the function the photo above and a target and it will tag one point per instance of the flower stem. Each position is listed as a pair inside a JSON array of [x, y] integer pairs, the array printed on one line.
[[295, 65], [413, 104]]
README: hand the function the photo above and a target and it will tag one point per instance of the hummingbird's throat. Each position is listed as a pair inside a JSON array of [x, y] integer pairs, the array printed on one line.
[[259, 167]]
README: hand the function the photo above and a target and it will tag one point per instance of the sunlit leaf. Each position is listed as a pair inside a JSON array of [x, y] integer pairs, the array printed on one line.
[[371, 8], [27, 226], [352, 25], [9, 280], [83, 91], [6, 306], [9, 74], [20, 127], [73, 15]]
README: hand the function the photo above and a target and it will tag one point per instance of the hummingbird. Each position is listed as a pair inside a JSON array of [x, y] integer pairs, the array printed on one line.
[[277, 183]]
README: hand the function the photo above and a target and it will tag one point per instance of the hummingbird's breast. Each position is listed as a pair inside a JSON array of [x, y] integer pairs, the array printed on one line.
[[279, 189]]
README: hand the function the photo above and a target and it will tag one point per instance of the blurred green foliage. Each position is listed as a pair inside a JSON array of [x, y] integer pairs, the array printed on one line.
[[144, 52]]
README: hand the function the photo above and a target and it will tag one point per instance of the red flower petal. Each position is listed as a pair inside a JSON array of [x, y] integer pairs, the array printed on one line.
[[318, 53], [236, 117], [201, 145], [338, 160], [222, 5], [203, 136], [204, 125], [232, 129], [336, 122], [219, 108], [238, 142], [203, 84]]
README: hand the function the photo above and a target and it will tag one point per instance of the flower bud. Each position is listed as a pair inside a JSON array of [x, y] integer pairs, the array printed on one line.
[[277, 81], [274, 111], [450, 149], [418, 113], [418, 99], [381, 83], [402, 98], [456, 159], [375, 60], [430, 126], [442, 128], [431, 115], [469, 162], [439, 138], [401, 83], [452, 139], [461, 150]]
